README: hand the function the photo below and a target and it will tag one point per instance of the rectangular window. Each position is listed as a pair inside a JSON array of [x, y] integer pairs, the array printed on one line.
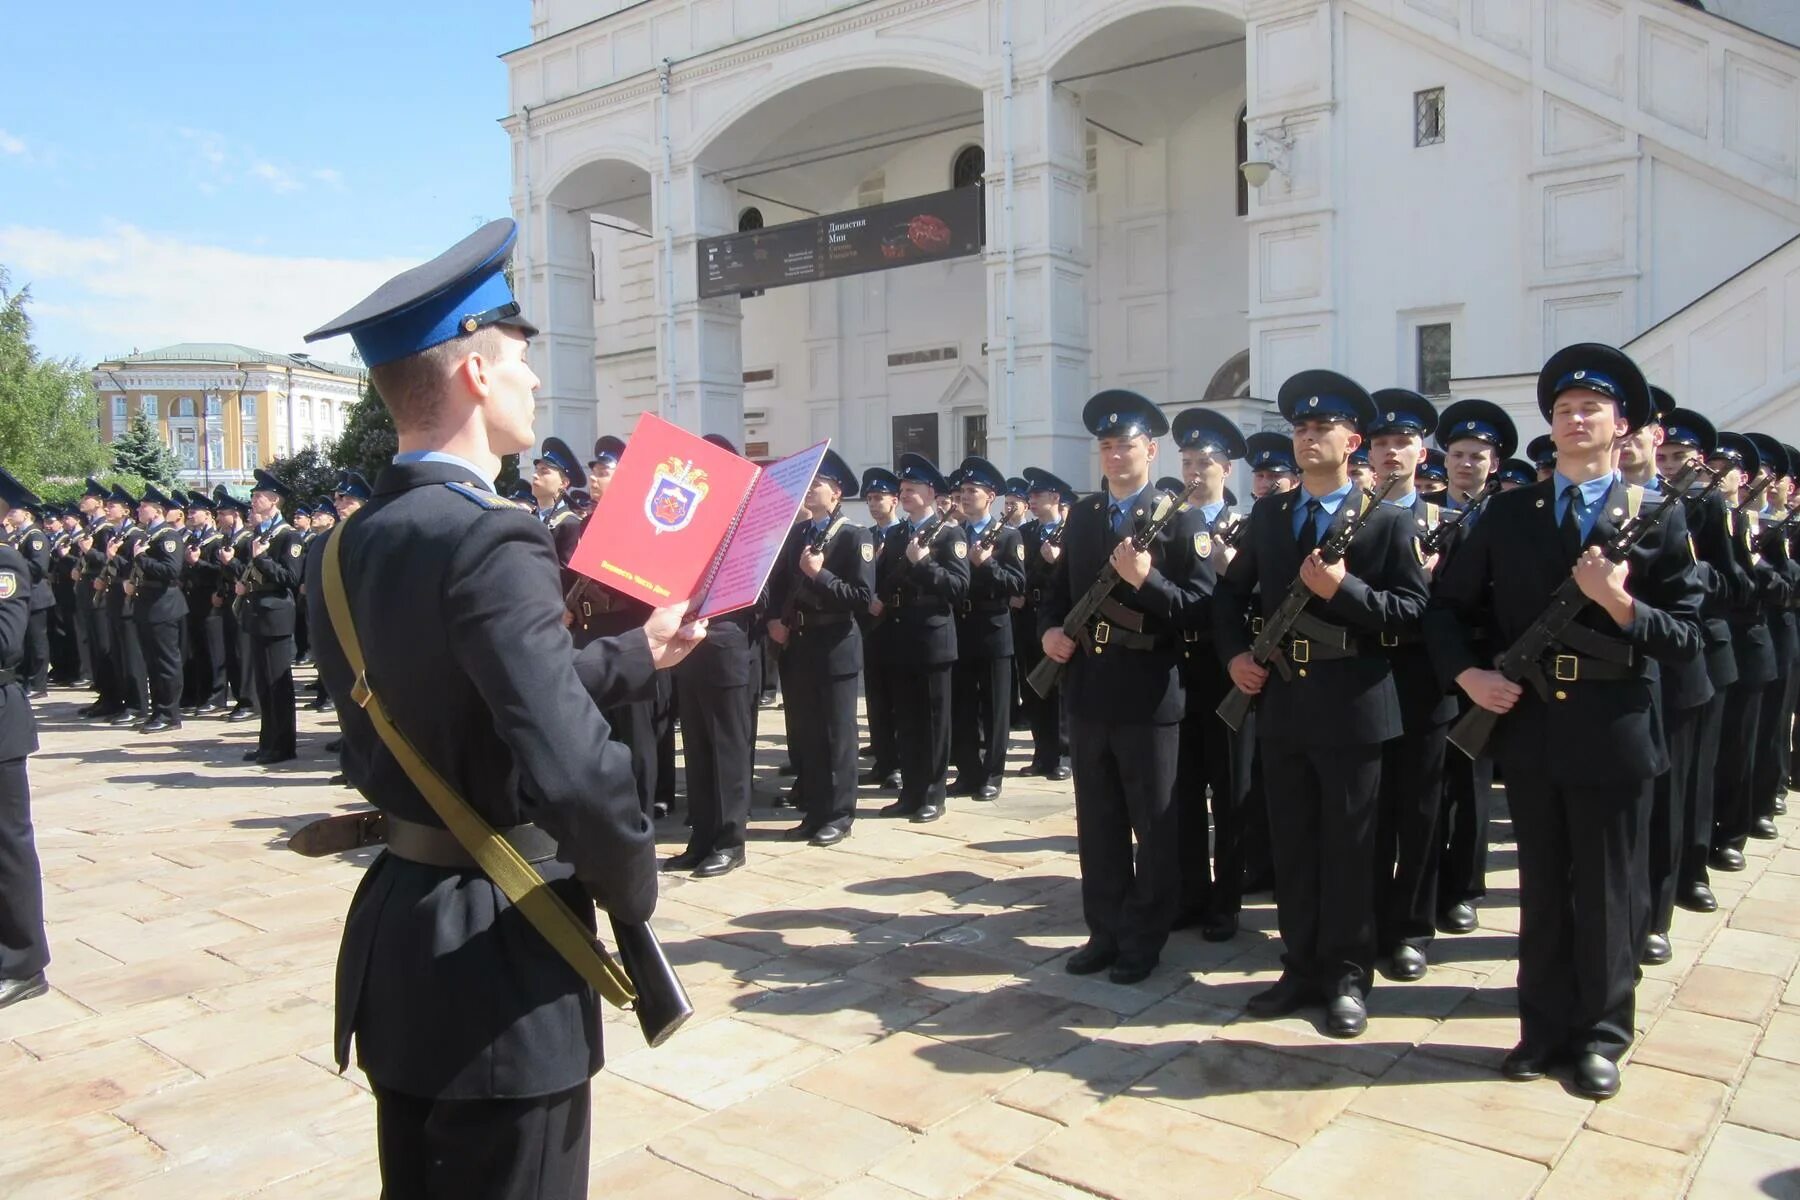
[[121, 414], [1433, 359], [975, 434], [147, 406], [247, 406], [1428, 117], [215, 450], [215, 407], [251, 457], [187, 447]]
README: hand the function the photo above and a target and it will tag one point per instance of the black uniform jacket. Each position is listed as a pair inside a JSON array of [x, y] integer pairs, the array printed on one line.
[[822, 613], [272, 578], [158, 566], [1724, 583], [1424, 703], [34, 544], [1199, 664], [1342, 701], [984, 627], [1120, 685], [450, 991], [18, 728], [1595, 733], [202, 580], [917, 626]]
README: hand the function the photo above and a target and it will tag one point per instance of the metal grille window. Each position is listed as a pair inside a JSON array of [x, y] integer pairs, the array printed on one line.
[[1433, 359], [968, 168], [750, 219], [975, 434], [1428, 117]]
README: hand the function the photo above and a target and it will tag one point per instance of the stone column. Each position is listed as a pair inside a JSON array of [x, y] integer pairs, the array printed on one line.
[[1050, 314], [708, 393], [553, 277]]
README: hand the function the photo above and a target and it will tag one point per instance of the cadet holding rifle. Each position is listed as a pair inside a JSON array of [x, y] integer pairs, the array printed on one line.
[[1324, 719], [1578, 759]]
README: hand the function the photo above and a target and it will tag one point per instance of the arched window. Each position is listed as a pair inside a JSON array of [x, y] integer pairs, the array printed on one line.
[[184, 406], [1243, 154], [751, 218], [967, 169]]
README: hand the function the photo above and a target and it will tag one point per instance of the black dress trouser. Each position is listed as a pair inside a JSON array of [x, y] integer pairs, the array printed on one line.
[[1409, 838], [1738, 728], [161, 642], [1126, 833], [878, 688], [822, 707], [275, 695], [1212, 775], [981, 713], [34, 667], [1671, 798], [24, 950], [715, 745], [922, 731], [535, 1148], [1697, 817]]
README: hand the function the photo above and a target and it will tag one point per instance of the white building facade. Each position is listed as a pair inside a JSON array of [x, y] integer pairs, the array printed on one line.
[[1453, 189]]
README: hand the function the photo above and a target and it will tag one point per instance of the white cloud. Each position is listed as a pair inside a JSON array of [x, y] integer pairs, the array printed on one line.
[[279, 181], [330, 176], [220, 163], [11, 144], [101, 295]]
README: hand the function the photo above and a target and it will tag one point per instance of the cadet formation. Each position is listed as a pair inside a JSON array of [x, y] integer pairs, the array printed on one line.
[[1310, 694]]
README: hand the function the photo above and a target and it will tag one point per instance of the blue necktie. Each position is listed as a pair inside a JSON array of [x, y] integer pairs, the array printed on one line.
[[1571, 522], [1309, 527]]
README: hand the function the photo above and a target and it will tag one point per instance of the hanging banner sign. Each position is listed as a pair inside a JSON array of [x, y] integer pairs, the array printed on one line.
[[879, 238]]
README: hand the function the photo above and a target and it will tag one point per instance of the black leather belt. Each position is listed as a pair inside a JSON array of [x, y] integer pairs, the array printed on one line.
[[1392, 641], [1104, 635], [804, 619], [435, 847], [8, 677], [932, 606], [1578, 668], [985, 606]]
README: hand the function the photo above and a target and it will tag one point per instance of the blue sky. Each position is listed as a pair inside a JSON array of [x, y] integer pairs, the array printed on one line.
[[241, 170]]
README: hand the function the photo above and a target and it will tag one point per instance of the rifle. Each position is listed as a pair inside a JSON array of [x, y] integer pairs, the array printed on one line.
[[1433, 541], [1044, 676], [1266, 648], [1234, 532], [811, 542], [1522, 661], [987, 539], [1056, 535]]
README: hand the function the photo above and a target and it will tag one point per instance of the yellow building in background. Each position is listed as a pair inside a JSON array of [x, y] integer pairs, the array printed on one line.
[[227, 409]]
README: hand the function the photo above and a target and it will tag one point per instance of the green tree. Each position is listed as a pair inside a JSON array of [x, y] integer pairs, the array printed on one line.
[[369, 442], [49, 425], [309, 473], [140, 451]]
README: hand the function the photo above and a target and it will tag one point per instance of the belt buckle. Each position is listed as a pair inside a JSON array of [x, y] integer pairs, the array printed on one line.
[[1102, 633], [1190, 635], [1300, 651], [1566, 662], [1390, 640], [1256, 625]]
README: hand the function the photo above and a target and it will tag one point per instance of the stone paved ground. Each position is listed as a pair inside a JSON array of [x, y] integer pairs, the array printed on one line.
[[886, 1020]]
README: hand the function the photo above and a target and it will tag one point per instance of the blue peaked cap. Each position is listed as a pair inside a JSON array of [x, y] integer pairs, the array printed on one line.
[[461, 290]]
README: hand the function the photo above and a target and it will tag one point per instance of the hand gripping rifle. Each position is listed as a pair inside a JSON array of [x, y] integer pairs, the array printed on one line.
[[1266, 649], [1044, 676], [1433, 541], [1522, 662]]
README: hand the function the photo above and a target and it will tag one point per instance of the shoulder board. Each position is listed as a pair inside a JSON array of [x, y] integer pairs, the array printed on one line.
[[1634, 499], [485, 499], [1433, 513], [558, 519]]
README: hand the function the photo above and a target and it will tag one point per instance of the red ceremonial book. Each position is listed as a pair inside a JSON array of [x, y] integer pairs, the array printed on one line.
[[683, 519]]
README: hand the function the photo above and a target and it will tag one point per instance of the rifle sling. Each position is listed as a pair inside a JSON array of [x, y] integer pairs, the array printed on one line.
[[499, 860]]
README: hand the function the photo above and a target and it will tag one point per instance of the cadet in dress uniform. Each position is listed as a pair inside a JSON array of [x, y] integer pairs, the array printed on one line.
[[24, 949], [104, 517], [922, 577], [1432, 478], [1048, 717], [1124, 689], [272, 573], [1321, 731], [32, 542], [553, 472], [135, 676], [477, 1037], [159, 608], [1685, 691], [815, 599], [301, 522], [1769, 771], [68, 640], [881, 494], [1516, 473], [234, 561], [1578, 763], [1754, 647], [1408, 828], [1688, 435], [1015, 512], [1475, 436], [1541, 450], [1270, 457], [1213, 771], [207, 691], [981, 682]]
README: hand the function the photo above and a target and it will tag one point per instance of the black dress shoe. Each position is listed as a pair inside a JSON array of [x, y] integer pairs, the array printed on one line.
[[1781, 806], [1458, 918], [829, 835], [1346, 1017], [1764, 828], [1697, 897], [1187, 918], [658, 810], [865, 752], [14, 990], [883, 779], [252, 755], [896, 809], [926, 814], [799, 833], [1596, 1077], [1058, 774], [1407, 964], [269, 760], [126, 718], [339, 780], [208, 710], [1219, 927], [958, 790], [1288, 995], [987, 791], [190, 710], [719, 862], [1030, 769], [334, 745], [787, 769], [1090, 959], [1657, 950], [41, 694], [687, 860], [1523, 1063], [158, 725], [97, 713], [240, 715], [1724, 858], [1131, 970]]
